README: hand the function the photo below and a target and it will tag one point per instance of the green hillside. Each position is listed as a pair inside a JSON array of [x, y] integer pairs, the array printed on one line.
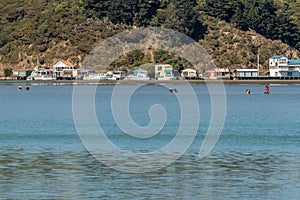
[[233, 31]]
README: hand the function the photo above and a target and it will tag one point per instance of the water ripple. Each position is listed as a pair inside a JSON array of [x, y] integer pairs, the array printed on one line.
[[77, 175]]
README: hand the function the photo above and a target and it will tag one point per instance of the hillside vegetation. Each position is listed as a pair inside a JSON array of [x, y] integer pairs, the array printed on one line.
[[233, 31]]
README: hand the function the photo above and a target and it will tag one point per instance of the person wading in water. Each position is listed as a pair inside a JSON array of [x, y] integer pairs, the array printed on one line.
[[267, 90]]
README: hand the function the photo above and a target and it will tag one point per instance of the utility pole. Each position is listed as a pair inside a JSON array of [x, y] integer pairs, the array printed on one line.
[[257, 63]]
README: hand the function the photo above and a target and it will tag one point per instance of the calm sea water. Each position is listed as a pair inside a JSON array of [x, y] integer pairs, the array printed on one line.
[[256, 157]]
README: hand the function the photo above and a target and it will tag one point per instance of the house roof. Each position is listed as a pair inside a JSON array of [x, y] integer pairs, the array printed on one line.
[[140, 70], [294, 62], [290, 62], [222, 70], [68, 63], [276, 57], [246, 70], [188, 70], [63, 63], [163, 65]]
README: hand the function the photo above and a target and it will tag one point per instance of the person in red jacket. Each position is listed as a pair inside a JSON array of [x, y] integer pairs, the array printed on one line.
[[267, 89]]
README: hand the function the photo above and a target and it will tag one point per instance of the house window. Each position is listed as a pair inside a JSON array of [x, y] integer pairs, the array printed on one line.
[[282, 61], [248, 74], [159, 68]]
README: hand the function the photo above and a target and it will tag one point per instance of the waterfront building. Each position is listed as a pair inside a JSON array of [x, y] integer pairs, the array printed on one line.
[[246, 73], [116, 75], [138, 74], [188, 73], [41, 73], [21, 73], [219, 73], [281, 66], [164, 72], [63, 69], [80, 74]]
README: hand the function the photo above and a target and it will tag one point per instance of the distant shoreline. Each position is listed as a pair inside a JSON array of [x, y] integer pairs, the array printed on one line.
[[128, 82]]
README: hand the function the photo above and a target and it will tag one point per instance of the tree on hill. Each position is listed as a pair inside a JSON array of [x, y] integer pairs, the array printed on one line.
[[224, 10], [70, 29], [8, 72], [272, 20], [182, 16], [134, 12]]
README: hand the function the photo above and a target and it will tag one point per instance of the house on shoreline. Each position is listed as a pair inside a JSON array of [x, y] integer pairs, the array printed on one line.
[[189, 73], [63, 70], [281, 66], [245, 73], [41, 73], [164, 72], [219, 73], [21, 74]]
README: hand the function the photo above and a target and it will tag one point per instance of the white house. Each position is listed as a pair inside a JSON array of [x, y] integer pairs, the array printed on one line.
[[63, 68], [188, 73], [281, 66], [240, 73], [164, 72]]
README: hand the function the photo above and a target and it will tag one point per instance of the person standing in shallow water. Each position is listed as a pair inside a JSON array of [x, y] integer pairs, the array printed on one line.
[[267, 89]]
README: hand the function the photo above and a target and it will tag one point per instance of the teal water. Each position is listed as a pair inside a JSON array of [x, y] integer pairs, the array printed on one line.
[[256, 157]]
